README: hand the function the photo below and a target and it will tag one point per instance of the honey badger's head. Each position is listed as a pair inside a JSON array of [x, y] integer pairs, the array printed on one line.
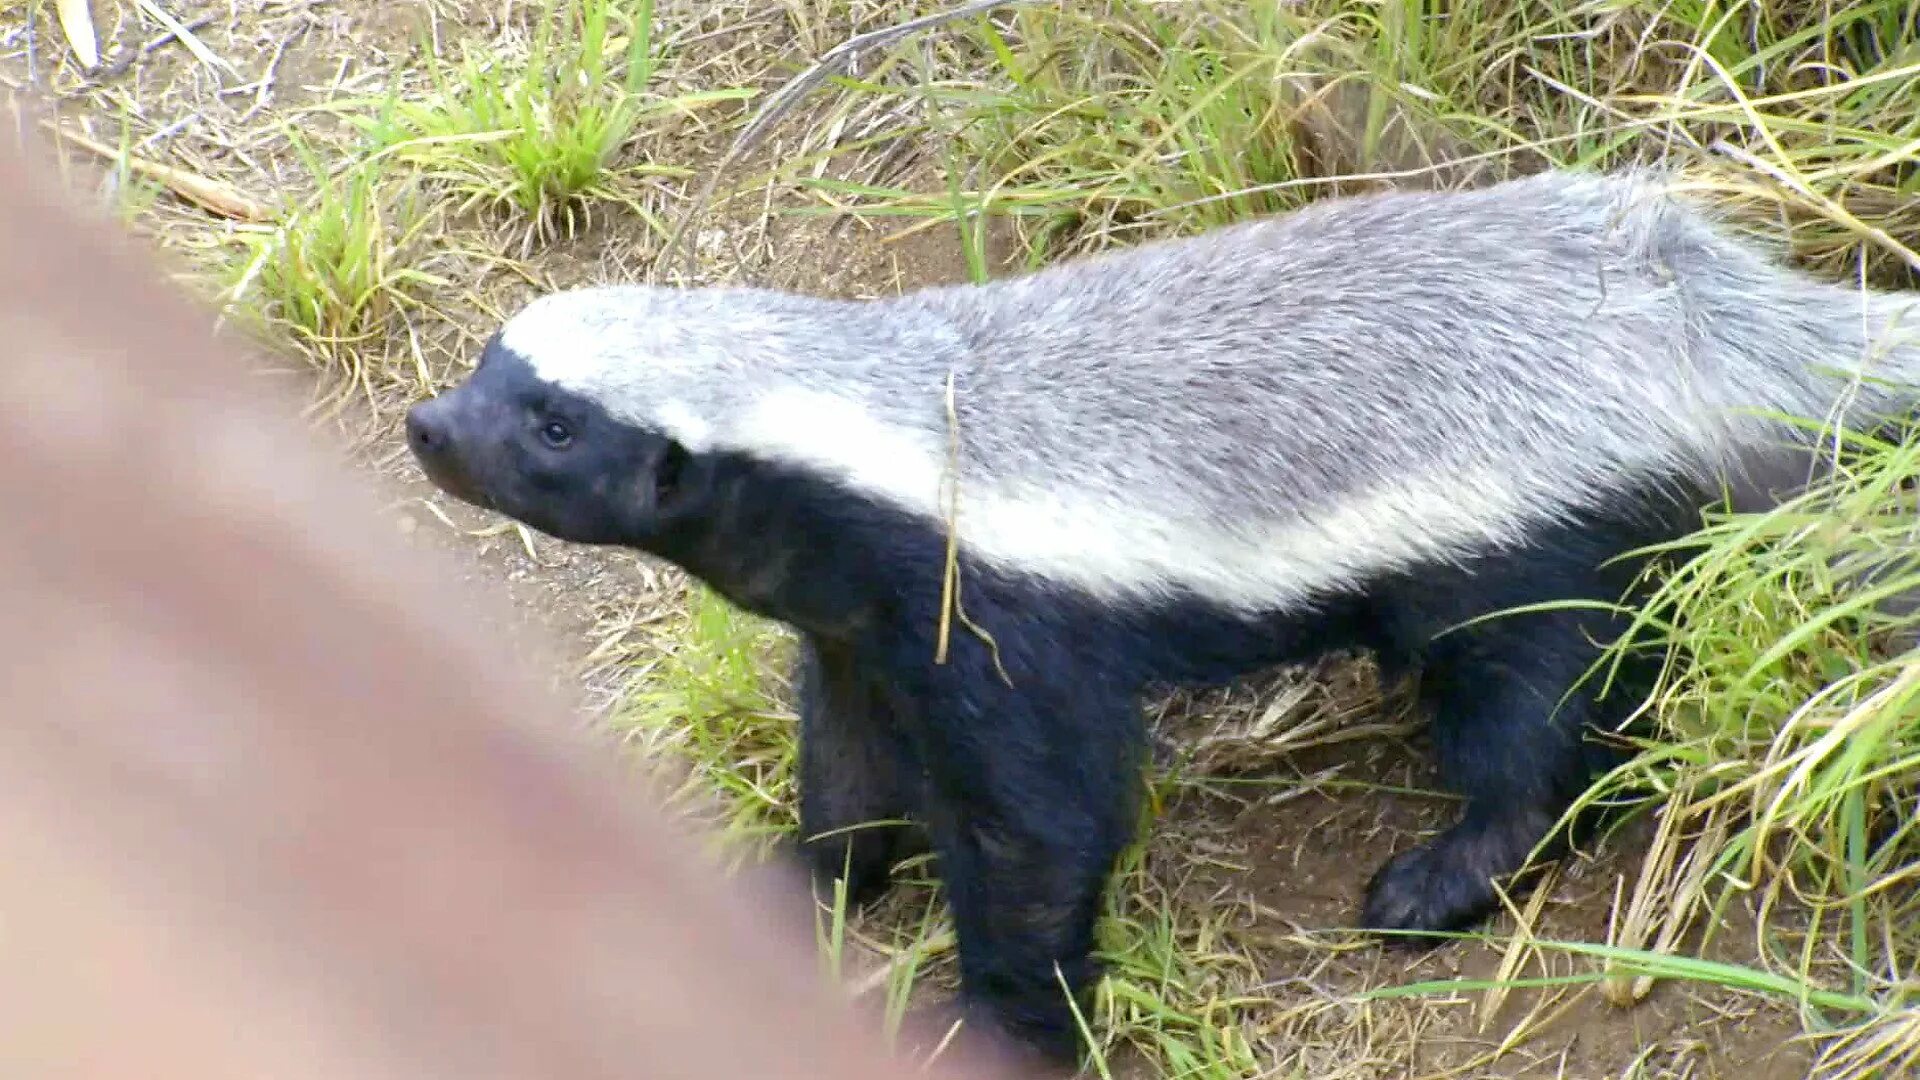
[[713, 428], [576, 420]]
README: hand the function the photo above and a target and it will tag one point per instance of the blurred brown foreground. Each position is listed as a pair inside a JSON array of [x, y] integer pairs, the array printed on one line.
[[269, 806]]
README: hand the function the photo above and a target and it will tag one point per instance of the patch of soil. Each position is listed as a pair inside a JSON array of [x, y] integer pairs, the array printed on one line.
[[1303, 859]]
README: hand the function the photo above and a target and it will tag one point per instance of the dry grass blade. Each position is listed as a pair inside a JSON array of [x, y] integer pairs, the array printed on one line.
[[221, 198], [1520, 948], [950, 605], [76, 21], [1885, 1047], [1668, 894], [194, 45]]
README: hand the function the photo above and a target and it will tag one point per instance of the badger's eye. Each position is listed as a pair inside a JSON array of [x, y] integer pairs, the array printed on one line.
[[555, 434]]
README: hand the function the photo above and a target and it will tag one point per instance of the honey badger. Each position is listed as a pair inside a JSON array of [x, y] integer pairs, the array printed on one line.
[[1358, 425]]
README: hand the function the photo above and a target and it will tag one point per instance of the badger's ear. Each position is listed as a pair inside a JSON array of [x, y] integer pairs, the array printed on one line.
[[674, 482], [669, 469], [490, 350]]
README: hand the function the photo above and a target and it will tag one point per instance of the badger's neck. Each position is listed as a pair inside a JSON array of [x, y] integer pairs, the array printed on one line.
[[855, 394], [792, 544]]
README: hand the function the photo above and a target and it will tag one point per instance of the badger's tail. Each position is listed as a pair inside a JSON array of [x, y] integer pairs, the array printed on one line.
[[1848, 361], [1891, 325], [1759, 307], [1831, 357], [1876, 370], [1876, 339]]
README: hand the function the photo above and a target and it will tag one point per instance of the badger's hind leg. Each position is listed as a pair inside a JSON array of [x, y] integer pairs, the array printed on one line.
[[857, 788], [1509, 737]]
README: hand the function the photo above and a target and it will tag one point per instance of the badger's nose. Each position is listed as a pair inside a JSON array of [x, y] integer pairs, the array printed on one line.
[[426, 429], [431, 435]]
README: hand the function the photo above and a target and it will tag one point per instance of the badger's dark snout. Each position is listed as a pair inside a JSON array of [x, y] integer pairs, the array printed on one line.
[[430, 435], [426, 429]]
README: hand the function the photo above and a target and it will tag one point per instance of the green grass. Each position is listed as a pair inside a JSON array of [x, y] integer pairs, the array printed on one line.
[[340, 269], [545, 136], [709, 699], [1098, 124], [1175, 992], [535, 140], [1786, 764]]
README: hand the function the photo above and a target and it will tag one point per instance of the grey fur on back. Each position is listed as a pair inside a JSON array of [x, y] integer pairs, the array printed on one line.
[[1275, 406]]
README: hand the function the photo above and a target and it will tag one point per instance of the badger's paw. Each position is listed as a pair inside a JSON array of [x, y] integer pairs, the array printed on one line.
[[1424, 891], [1449, 883]]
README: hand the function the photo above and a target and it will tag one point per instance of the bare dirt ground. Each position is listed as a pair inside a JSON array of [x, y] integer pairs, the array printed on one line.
[[1284, 860]]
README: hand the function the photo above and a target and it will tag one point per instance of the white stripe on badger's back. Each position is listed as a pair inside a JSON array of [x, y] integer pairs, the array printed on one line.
[[1122, 553], [1261, 412], [1115, 550]]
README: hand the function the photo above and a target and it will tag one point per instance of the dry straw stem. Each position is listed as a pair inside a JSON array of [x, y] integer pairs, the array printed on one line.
[[1886, 1046], [177, 29], [1782, 169], [782, 101], [950, 606], [1667, 894], [220, 198]]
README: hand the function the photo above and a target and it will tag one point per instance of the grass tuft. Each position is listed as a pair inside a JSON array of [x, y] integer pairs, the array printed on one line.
[[1092, 124], [1786, 764], [545, 136], [704, 701], [1176, 992], [339, 270]]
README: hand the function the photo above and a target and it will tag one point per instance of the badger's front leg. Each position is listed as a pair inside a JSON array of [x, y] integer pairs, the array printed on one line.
[[1032, 796], [1508, 735], [857, 783]]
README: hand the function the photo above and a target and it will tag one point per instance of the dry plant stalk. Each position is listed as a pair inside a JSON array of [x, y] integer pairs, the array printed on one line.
[[950, 605], [181, 31], [1667, 896], [221, 198]]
